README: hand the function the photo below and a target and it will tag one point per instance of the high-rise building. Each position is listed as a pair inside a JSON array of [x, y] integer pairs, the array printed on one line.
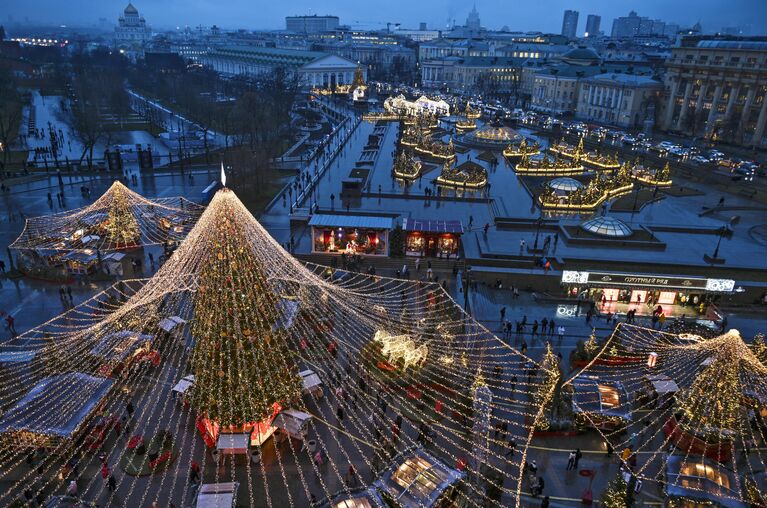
[[472, 20], [592, 25], [627, 27], [311, 24], [570, 24]]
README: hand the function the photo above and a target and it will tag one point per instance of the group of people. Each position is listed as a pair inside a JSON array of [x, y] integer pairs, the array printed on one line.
[[545, 328]]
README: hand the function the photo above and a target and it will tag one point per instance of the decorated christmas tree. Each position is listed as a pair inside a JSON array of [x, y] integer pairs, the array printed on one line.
[[546, 383], [242, 365], [121, 228], [618, 494]]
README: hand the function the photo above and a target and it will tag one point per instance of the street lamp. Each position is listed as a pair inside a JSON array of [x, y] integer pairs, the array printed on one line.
[[538, 223], [652, 360]]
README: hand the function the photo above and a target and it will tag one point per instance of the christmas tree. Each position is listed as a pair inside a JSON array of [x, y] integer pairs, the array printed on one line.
[[242, 365], [617, 494], [121, 227], [546, 384]]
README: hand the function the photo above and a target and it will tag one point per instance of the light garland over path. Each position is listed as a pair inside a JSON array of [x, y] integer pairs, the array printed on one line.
[[699, 412], [404, 371], [119, 219]]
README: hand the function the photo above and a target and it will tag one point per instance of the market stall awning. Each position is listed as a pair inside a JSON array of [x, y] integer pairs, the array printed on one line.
[[310, 379], [217, 495], [432, 226], [17, 356], [57, 405], [184, 384], [662, 384], [352, 221], [169, 323]]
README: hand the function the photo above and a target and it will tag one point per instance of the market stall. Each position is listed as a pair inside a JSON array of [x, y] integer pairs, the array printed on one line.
[[351, 234], [433, 238], [311, 382], [217, 495], [56, 410], [416, 478], [81, 262], [118, 352], [367, 498], [600, 403], [700, 481]]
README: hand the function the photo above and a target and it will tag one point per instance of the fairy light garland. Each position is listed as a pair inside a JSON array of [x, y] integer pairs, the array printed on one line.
[[231, 277]]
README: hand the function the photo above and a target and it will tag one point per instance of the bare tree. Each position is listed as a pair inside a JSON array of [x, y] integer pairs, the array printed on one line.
[[11, 103]]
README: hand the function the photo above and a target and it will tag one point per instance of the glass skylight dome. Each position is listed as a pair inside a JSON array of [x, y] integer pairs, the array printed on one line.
[[607, 226]]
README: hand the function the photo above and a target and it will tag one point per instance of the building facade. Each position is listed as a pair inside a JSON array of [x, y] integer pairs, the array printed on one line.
[[131, 33], [570, 24], [617, 99], [489, 74], [717, 87], [592, 25], [312, 68], [311, 24]]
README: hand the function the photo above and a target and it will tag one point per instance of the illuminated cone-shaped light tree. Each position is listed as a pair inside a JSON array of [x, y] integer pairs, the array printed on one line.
[[121, 227], [241, 363], [714, 399]]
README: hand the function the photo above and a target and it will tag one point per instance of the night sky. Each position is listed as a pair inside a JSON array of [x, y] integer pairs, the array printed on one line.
[[542, 15]]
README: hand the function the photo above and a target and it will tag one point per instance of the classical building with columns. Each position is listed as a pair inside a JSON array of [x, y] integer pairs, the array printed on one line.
[[617, 99], [313, 68], [717, 87]]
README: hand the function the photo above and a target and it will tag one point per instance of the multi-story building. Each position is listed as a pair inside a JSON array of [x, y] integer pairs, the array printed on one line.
[[378, 58], [717, 86], [570, 24], [131, 33], [592, 25], [311, 24], [312, 68], [532, 51], [491, 74], [633, 25], [617, 99]]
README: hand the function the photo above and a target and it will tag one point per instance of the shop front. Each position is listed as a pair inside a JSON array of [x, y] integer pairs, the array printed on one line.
[[432, 238], [351, 234], [610, 289]]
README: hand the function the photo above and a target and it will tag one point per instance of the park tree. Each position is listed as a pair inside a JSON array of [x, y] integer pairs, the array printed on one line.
[[11, 103]]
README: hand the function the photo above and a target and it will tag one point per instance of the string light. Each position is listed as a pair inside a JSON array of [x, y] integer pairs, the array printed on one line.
[[248, 316]]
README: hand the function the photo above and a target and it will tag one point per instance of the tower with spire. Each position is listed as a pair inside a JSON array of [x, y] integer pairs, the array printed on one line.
[[472, 20]]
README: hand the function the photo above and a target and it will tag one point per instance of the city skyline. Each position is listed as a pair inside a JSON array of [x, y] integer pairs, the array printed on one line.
[[495, 14]]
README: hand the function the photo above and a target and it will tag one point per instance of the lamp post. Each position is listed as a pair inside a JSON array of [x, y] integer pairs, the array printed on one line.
[[538, 223], [722, 231]]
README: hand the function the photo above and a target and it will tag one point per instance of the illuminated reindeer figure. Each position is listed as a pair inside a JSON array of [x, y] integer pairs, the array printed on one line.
[[396, 347]]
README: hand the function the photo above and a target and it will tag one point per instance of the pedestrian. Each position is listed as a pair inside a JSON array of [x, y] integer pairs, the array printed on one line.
[[129, 409], [340, 414], [561, 332], [545, 502], [571, 461], [69, 293], [511, 445], [535, 328], [417, 264], [541, 483], [503, 313], [194, 473], [578, 455], [487, 226], [2, 266], [351, 476], [111, 483], [10, 324], [551, 327]]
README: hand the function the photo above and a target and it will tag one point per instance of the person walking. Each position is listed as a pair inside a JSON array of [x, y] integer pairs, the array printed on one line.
[[10, 324], [417, 264], [535, 328], [578, 455], [111, 483], [503, 314], [2, 266], [545, 502], [561, 332], [571, 461], [69, 294]]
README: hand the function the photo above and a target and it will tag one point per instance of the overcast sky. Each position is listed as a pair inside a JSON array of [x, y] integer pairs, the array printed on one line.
[[543, 15]]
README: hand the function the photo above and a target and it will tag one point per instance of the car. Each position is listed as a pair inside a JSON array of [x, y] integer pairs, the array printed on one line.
[[699, 159], [747, 173], [727, 163], [629, 140]]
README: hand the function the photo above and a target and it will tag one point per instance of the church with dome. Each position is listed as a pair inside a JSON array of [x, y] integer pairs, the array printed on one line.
[[131, 33]]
